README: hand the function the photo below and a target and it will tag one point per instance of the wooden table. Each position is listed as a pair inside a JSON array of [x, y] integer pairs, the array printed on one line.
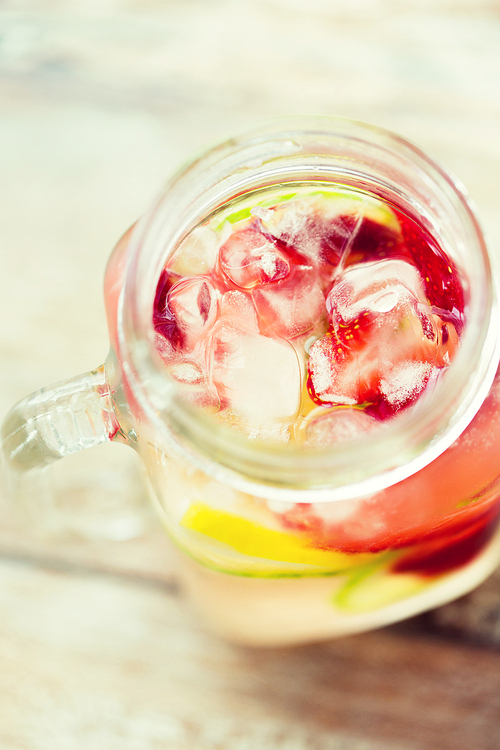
[[101, 100]]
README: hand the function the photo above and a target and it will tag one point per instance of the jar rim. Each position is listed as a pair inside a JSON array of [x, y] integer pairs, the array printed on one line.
[[410, 440]]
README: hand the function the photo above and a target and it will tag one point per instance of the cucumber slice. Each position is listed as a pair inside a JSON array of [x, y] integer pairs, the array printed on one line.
[[375, 587]]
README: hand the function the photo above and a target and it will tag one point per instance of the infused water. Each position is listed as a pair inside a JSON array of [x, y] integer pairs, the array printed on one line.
[[312, 315]]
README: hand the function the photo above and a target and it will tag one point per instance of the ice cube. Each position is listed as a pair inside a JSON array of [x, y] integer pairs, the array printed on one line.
[[385, 341], [257, 377], [197, 253], [290, 221], [165, 348], [337, 237], [238, 307], [405, 382], [299, 229], [192, 302], [187, 372], [248, 258], [265, 214], [378, 287], [331, 378], [320, 229], [342, 373], [292, 307]]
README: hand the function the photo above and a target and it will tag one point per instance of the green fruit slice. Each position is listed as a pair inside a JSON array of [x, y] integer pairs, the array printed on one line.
[[374, 588]]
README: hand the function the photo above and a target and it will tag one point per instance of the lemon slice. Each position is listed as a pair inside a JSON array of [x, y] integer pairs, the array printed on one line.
[[257, 541]]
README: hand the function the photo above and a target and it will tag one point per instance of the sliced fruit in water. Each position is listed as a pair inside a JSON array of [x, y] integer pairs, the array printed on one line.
[[255, 540], [384, 345], [374, 588]]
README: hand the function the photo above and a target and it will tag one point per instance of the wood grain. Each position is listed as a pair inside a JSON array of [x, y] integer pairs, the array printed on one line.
[[89, 660]]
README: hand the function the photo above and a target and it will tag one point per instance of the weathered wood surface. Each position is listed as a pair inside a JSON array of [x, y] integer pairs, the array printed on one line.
[[89, 660], [100, 101]]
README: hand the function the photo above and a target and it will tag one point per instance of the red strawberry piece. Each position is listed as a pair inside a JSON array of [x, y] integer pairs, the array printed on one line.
[[454, 550], [354, 334], [372, 241], [163, 319], [439, 274]]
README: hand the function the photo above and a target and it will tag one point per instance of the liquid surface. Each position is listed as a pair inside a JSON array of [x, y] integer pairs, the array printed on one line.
[[311, 315]]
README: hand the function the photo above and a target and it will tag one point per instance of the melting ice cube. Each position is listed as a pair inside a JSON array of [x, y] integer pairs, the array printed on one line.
[[378, 287], [248, 258], [292, 307], [325, 230], [196, 254], [238, 307], [256, 376], [405, 381], [192, 302]]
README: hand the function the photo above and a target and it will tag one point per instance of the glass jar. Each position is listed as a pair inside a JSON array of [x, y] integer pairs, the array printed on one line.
[[283, 544]]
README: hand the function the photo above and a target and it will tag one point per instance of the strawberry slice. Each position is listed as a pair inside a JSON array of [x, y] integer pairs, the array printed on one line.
[[164, 321], [354, 334], [384, 344], [441, 554], [459, 490], [439, 274]]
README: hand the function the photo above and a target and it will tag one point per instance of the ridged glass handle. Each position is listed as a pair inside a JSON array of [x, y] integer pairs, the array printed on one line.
[[59, 420]]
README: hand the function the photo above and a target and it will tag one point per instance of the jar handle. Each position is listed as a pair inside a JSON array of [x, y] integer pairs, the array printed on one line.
[[56, 421]]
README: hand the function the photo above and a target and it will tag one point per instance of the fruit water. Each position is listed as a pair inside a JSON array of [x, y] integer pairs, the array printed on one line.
[[308, 317], [311, 315]]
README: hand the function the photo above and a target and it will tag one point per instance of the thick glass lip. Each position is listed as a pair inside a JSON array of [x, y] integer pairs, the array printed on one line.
[[280, 151]]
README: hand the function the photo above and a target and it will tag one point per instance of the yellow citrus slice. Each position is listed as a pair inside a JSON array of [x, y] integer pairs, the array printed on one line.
[[254, 540]]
